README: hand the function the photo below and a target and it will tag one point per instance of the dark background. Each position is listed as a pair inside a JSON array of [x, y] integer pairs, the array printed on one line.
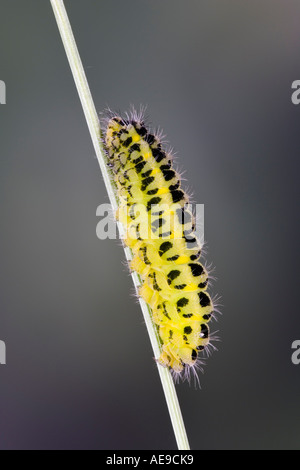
[[216, 76]]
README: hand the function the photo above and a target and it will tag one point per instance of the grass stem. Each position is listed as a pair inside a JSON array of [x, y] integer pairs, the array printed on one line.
[[95, 131]]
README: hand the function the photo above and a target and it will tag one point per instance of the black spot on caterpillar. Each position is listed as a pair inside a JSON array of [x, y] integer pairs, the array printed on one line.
[[160, 232]]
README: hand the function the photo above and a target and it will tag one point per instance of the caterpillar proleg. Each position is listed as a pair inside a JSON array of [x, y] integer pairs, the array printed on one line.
[[160, 230]]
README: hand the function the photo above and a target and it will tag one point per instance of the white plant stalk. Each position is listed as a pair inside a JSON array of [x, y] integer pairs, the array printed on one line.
[[95, 131]]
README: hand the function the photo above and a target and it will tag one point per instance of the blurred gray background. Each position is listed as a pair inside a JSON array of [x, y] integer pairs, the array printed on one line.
[[216, 76]]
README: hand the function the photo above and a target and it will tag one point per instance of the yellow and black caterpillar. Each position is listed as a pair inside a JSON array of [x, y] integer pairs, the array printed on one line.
[[160, 228]]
